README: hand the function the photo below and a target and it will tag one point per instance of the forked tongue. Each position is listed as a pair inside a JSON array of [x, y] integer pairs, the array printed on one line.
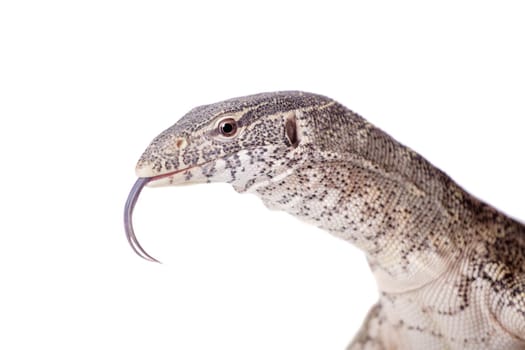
[[128, 224]]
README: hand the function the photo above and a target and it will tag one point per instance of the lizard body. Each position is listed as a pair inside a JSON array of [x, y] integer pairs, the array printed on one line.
[[450, 269]]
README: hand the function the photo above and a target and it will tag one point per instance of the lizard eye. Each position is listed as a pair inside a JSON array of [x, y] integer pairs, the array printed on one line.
[[228, 127]]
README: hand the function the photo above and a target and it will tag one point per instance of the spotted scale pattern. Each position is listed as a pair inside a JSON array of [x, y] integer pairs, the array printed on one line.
[[450, 268]]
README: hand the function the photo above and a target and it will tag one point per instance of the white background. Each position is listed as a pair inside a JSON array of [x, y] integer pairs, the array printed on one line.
[[84, 87]]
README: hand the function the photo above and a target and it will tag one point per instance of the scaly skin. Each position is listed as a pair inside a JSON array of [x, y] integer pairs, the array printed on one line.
[[450, 269]]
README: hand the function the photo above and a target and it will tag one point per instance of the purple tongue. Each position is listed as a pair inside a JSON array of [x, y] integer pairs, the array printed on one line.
[[128, 224]]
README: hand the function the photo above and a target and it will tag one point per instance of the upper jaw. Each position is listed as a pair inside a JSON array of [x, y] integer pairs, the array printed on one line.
[[196, 173], [175, 177]]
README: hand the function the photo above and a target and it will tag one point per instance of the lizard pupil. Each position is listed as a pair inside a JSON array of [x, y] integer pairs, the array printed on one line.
[[228, 127]]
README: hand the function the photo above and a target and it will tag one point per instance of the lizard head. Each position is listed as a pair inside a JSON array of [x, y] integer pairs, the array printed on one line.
[[246, 141], [242, 141]]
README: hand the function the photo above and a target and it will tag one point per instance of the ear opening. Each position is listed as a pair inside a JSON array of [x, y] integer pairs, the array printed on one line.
[[291, 130]]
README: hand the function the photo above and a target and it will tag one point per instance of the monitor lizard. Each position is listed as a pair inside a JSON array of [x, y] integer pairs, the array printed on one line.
[[450, 268]]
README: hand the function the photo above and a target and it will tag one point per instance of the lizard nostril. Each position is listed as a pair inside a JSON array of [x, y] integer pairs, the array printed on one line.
[[180, 143], [173, 148]]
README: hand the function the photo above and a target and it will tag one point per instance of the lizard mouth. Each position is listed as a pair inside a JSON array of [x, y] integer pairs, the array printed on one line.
[[130, 205]]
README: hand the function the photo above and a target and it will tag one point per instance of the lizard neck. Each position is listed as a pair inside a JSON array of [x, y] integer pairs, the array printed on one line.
[[404, 232], [364, 187]]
